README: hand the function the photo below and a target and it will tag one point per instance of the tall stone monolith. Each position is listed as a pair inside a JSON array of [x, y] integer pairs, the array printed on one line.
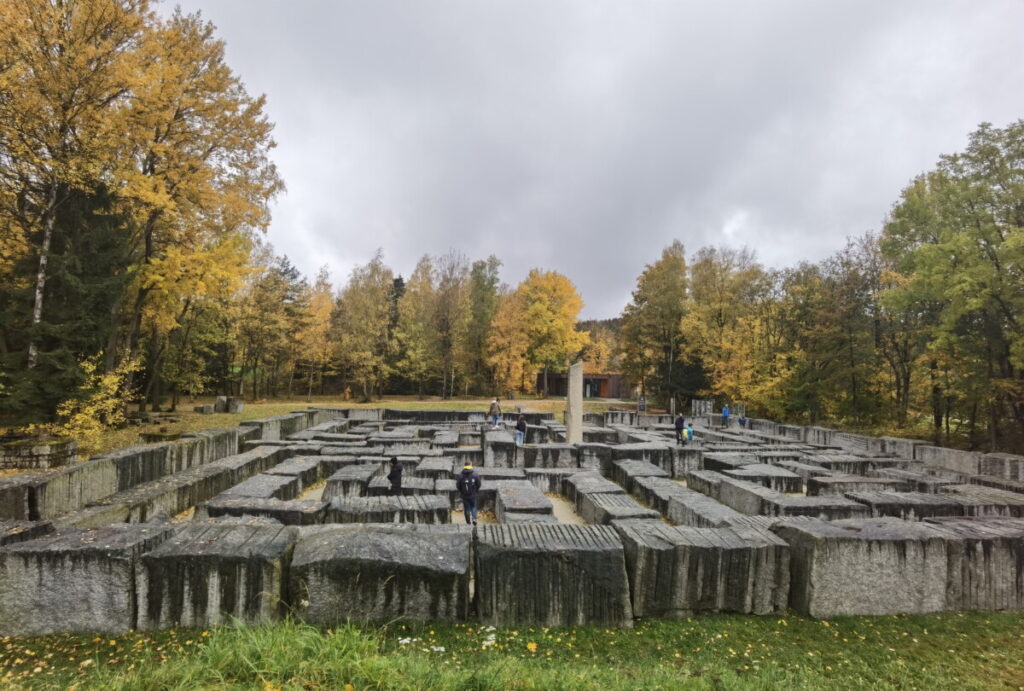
[[574, 405]]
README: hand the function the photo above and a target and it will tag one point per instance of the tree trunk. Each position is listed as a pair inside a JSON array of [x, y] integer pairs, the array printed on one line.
[[44, 256]]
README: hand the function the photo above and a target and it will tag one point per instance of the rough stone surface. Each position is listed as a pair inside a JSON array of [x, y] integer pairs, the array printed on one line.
[[431, 508], [866, 566], [587, 482], [266, 486], [773, 477], [677, 571], [74, 580], [215, 573], [291, 512], [988, 572], [308, 469], [602, 509], [509, 518], [350, 481], [375, 572], [841, 484], [379, 486], [551, 575], [549, 480], [20, 531], [521, 499], [697, 510], [626, 471]]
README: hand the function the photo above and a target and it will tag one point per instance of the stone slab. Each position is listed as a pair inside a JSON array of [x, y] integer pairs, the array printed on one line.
[[290, 512], [382, 573], [215, 573], [626, 470], [678, 571], [351, 480], [431, 508], [74, 580], [525, 498], [841, 484], [551, 575], [602, 509]]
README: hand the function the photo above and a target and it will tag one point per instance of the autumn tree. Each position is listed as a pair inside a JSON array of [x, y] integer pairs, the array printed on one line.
[[651, 327], [507, 346], [362, 326], [484, 298], [417, 341], [314, 342]]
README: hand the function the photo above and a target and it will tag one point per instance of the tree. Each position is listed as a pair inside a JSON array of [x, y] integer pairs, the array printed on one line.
[[362, 322], [957, 239], [507, 345], [452, 318], [551, 308], [651, 334], [415, 335], [315, 346], [484, 298]]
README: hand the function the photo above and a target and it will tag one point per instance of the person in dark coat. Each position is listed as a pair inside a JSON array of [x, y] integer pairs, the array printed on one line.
[[520, 431], [680, 426], [395, 476], [468, 485]]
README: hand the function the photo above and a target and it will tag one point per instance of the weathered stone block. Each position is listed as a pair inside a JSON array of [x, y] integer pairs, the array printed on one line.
[[215, 573], [602, 509], [379, 486], [350, 481], [374, 572], [986, 569], [74, 580], [308, 469], [676, 571], [773, 477], [549, 480], [626, 471], [587, 482], [697, 510], [430, 508], [551, 575], [866, 567], [290, 512], [266, 486], [520, 499]]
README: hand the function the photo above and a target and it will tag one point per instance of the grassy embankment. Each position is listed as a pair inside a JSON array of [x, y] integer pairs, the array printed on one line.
[[961, 651]]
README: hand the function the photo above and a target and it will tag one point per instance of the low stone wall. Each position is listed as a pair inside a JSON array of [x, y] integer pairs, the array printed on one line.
[[37, 455]]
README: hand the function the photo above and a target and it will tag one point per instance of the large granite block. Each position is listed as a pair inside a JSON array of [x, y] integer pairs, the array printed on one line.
[[266, 486], [21, 531], [308, 469], [380, 487], [551, 575], [351, 480], [986, 568], [602, 509], [74, 580], [841, 484], [719, 461], [290, 512], [910, 505], [374, 572], [215, 573], [625, 471], [677, 571], [431, 508], [587, 482], [549, 480], [915, 480], [708, 482], [521, 499], [698, 510], [866, 567], [548, 456], [656, 491], [437, 468], [773, 477]]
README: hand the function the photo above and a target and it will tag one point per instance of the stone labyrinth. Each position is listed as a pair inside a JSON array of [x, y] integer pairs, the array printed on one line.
[[291, 516]]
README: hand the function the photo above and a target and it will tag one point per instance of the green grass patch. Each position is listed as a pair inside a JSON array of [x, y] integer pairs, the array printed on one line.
[[963, 651]]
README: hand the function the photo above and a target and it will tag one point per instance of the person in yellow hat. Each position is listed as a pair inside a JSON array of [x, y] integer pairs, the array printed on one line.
[[468, 484]]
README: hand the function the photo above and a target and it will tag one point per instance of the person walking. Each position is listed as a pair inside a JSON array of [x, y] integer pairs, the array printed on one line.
[[468, 485], [395, 477], [495, 412], [521, 431], [725, 416], [680, 426]]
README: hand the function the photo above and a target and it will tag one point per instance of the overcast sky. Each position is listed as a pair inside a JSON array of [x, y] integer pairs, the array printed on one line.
[[584, 136]]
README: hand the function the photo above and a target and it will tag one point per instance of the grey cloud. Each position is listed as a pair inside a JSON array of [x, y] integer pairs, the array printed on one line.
[[584, 136]]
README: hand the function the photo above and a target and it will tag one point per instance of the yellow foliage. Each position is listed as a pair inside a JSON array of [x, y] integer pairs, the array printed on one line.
[[99, 405]]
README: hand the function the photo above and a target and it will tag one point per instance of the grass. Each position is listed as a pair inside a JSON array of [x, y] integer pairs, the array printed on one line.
[[962, 651]]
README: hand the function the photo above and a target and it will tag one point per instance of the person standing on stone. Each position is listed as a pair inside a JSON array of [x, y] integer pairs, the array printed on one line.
[[680, 427], [520, 431], [689, 432], [468, 485], [495, 412], [725, 416], [395, 477]]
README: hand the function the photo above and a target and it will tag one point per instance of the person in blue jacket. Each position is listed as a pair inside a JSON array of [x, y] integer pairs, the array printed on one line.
[[725, 416]]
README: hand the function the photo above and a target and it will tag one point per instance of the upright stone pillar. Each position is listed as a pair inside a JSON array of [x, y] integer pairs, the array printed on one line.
[[574, 405]]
